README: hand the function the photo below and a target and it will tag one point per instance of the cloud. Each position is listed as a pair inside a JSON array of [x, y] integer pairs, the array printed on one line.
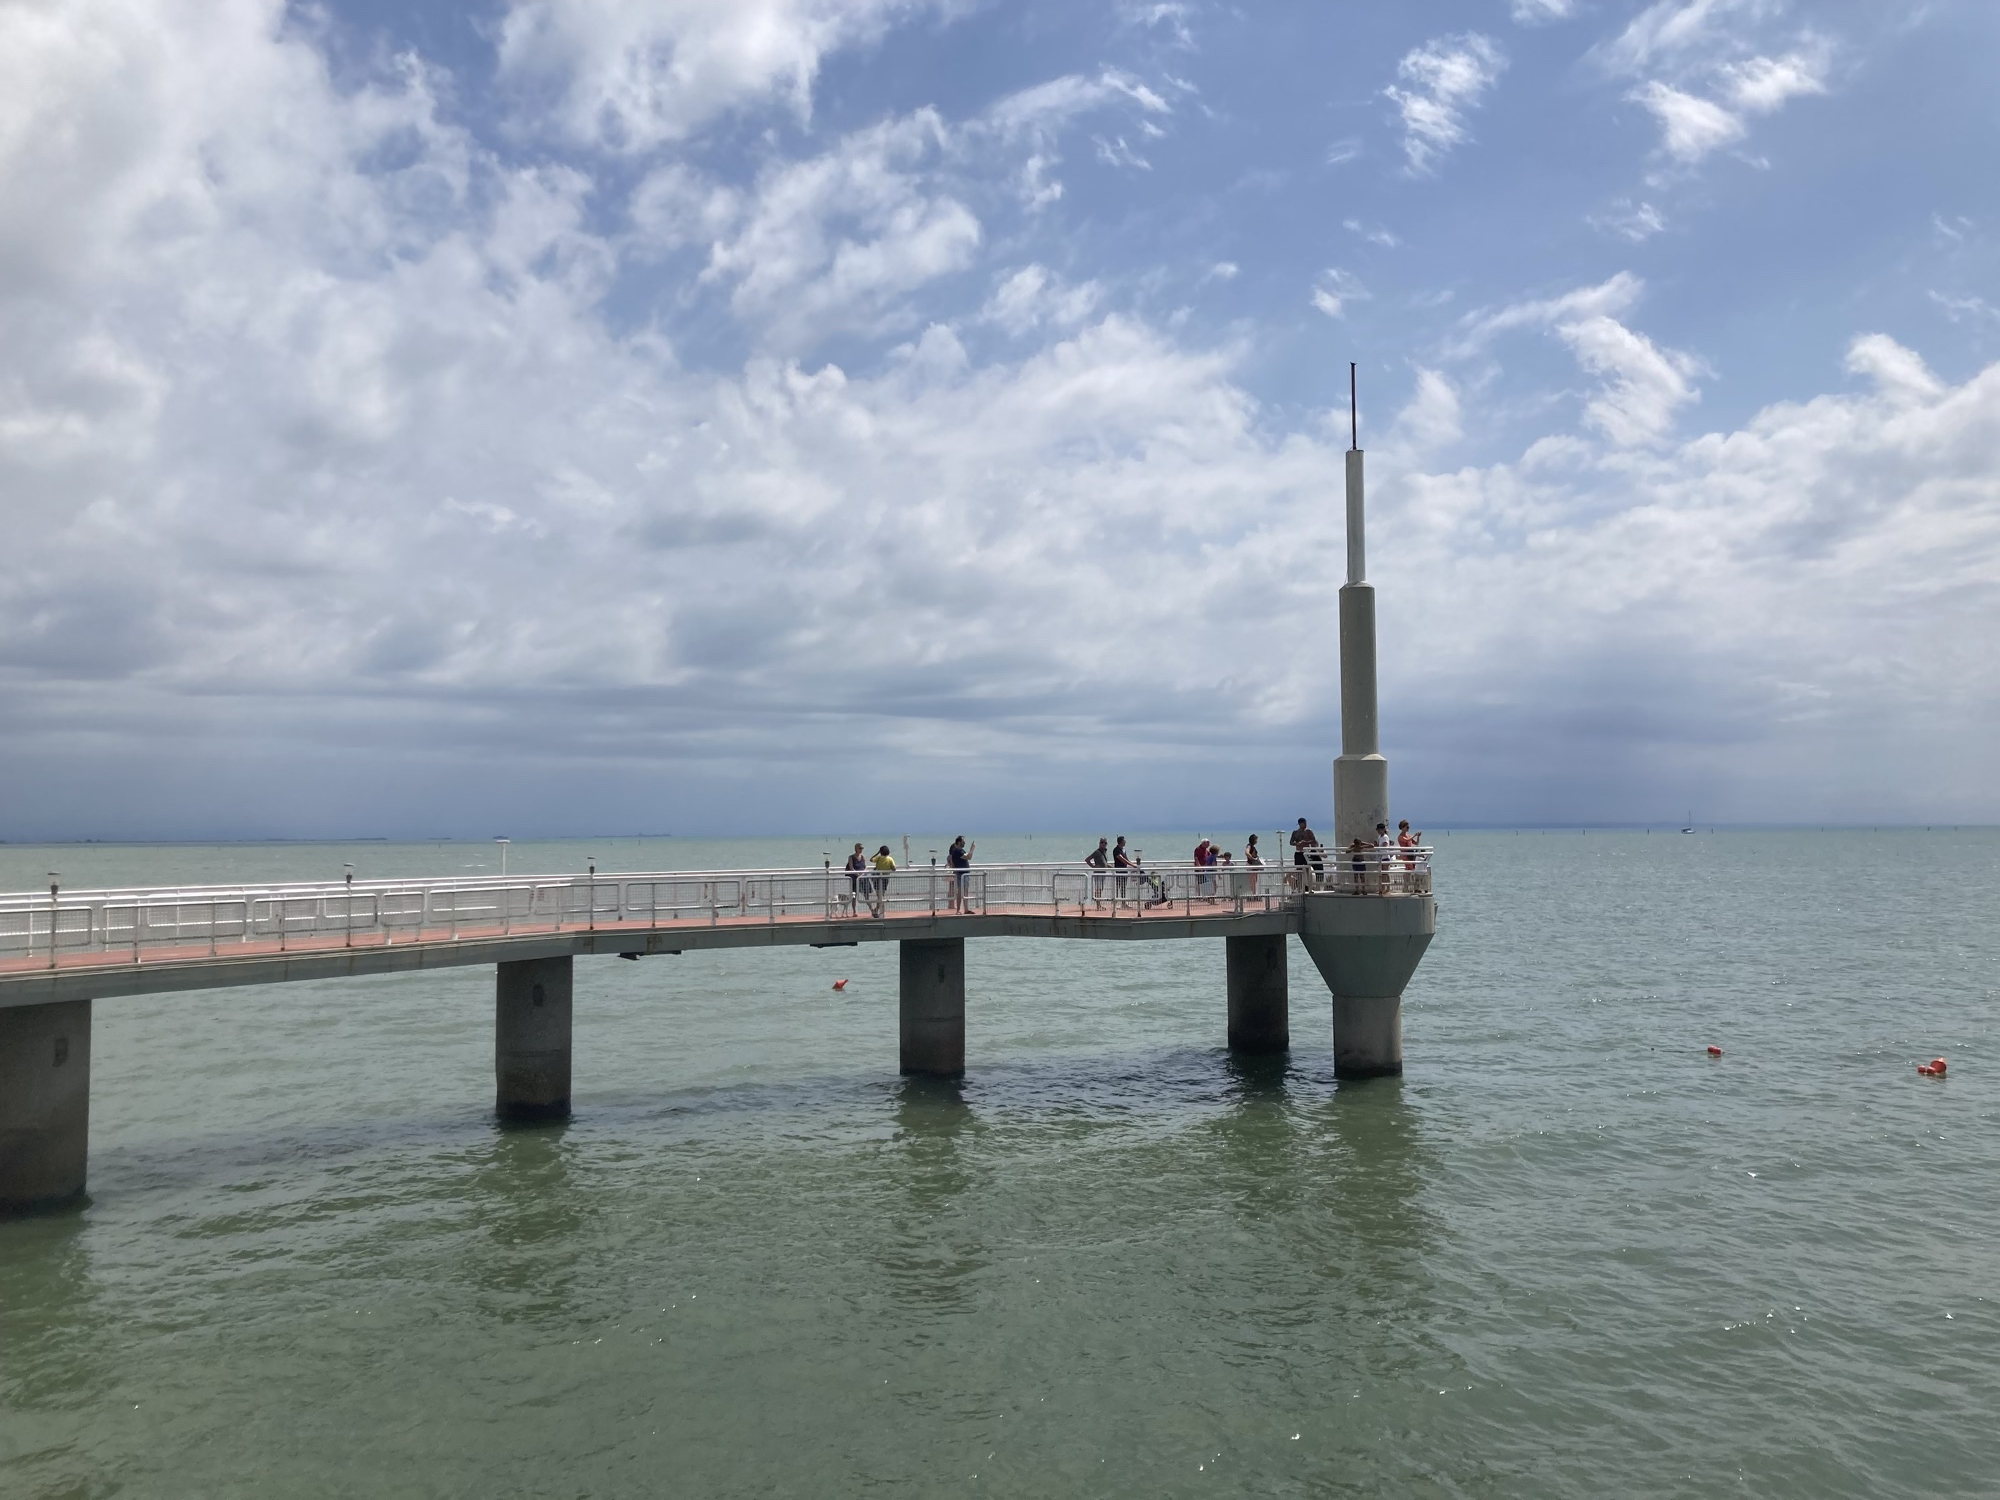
[[1762, 85], [1670, 31], [1033, 297], [1636, 222], [1542, 12], [1337, 288], [1690, 127], [1374, 235], [1434, 415], [629, 76], [1644, 385], [1609, 298], [1974, 310], [837, 240], [337, 499], [1441, 81]]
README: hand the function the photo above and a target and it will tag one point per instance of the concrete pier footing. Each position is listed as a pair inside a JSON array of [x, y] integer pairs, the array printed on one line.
[[44, 1104], [1366, 948], [531, 1039], [1259, 994], [932, 990]]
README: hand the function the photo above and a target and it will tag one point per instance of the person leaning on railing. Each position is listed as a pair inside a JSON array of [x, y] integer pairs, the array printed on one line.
[[856, 862], [884, 865], [958, 858]]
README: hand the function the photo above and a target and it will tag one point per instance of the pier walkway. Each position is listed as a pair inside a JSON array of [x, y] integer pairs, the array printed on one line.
[[99, 943]]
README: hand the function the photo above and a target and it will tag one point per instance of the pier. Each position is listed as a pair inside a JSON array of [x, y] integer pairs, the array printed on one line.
[[1363, 912], [61, 952]]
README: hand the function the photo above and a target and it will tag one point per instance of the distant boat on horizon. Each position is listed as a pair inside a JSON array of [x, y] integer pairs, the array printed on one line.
[[1690, 822]]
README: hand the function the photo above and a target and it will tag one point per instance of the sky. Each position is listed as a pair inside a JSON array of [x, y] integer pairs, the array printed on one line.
[[755, 416]]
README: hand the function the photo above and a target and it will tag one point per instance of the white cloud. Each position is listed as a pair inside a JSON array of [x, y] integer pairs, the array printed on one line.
[[1609, 298], [332, 497], [1644, 385], [1761, 85], [1441, 81], [1966, 309], [1116, 153], [1373, 234], [1434, 415], [1222, 270], [834, 241], [1335, 289], [1900, 374], [1542, 12], [1033, 297], [1630, 221], [1690, 127], [1670, 31], [630, 75]]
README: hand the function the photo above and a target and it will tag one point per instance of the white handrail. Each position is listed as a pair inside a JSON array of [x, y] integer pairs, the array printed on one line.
[[130, 923]]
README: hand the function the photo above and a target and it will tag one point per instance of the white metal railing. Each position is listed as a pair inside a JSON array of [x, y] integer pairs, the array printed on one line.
[[132, 925]]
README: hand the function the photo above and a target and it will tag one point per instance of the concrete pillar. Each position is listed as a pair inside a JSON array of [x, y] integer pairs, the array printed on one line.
[[531, 1031], [1367, 1036], [1366, 948], [1259, 994], [933, 1006], [44, 1103]]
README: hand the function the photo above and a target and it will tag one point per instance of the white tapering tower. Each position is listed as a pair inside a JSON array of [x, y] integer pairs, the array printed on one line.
[[1360, 775]]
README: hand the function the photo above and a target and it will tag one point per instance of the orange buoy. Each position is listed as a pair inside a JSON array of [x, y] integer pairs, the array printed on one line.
[[840, 984], [1715, 1052], [1937, 1065], [1926, 1069]]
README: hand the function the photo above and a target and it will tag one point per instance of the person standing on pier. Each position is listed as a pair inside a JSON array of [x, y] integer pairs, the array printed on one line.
[[959, 859], [856, 862], [1253, 858], [1305, 855], [1097, 859], [1121, 861], [878, 885]]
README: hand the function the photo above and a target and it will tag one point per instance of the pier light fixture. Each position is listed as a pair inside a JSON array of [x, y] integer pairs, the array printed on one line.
[[503, 843]]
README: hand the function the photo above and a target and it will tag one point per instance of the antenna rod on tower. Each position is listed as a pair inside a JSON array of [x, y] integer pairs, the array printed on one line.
[[1353, 409]]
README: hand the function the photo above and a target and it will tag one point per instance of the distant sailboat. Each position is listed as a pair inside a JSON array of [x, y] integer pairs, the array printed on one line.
[[1690, 822]]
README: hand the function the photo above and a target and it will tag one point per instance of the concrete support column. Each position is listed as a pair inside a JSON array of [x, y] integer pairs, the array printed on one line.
[[531, 1032], [933, 1006], [1259, 994], [1366, 948], [1367, 1036], [44, 1103]]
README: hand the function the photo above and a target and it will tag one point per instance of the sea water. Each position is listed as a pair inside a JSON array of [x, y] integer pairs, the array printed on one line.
[[1568, 1253]]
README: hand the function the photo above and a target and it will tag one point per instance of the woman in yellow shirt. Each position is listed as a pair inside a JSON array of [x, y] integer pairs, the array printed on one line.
[[884, 864]]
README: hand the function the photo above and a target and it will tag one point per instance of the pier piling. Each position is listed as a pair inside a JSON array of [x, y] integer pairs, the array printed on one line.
[[932, 994], [531, 1039], [44, 1104], [1259, 994]]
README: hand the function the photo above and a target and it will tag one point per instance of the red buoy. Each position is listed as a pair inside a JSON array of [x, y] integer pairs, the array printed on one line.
[[840, 984], [1937, 1065], [1715, 1052]]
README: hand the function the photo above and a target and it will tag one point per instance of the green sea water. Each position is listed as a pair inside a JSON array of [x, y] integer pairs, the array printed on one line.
[[1568, 1254]]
